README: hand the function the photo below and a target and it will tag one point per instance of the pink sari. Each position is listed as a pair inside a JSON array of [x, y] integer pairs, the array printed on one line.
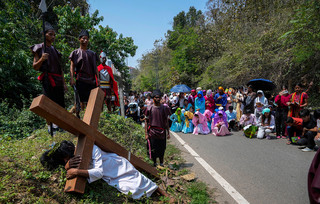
[[200, 124], [223, 129]]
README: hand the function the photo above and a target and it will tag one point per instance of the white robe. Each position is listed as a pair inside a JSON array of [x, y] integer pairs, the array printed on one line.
[[119, 173]]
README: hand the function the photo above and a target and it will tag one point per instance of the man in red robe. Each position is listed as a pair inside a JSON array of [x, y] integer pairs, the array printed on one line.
[[107, 83]]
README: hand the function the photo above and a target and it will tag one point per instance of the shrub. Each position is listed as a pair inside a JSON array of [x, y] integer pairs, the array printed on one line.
[[17, 123]]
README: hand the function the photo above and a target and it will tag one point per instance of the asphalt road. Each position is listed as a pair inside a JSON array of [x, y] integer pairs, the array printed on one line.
[[262, 171]]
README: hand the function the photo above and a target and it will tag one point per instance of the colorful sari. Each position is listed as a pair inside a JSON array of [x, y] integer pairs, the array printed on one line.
[[208, 115], [297, 100], [200, 124], [199, 103], [177, 121], [188, 126], [220, 124]]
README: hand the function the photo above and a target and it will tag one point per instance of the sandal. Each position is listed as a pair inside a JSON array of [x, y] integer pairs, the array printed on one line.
[[289, 143]]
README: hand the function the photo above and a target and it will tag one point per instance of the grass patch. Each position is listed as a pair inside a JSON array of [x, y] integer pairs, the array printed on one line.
[[24, 180], [198, 193]]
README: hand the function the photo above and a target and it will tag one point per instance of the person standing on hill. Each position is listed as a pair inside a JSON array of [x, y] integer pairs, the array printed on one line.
[[157, 128], [107, 83], [84, 67], [48, 61]]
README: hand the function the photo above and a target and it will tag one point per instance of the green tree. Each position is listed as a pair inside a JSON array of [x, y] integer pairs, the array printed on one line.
[[18, 31]]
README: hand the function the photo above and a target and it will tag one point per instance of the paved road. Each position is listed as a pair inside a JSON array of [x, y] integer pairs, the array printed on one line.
[[262, 171]]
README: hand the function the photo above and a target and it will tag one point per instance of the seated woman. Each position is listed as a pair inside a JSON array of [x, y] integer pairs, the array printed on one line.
[[200, 124], [232, 118], [113, 169], [266, 124], [199, 103], [177, 121], [188, 126], [247, 119], [248, 123], [186, 106], [208, 115], [220, 124]]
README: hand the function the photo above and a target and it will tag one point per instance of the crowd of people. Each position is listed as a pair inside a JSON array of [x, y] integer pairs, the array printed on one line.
[[222, 111], [218, 112]]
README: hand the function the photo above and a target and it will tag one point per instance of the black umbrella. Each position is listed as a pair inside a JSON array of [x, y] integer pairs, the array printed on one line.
[[262, 84]]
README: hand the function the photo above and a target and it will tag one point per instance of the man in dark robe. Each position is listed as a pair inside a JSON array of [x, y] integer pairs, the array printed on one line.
[[84, 67], [157, 128], [48, 61]]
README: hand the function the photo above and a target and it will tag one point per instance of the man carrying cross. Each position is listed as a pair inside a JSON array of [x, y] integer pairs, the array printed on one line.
[[88, 135], [112, 168]]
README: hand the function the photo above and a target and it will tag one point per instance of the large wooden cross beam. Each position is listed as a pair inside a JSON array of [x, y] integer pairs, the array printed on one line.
[[87, 133]]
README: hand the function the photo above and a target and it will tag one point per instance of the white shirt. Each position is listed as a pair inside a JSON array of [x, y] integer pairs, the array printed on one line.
[[272, 122], [119, 173]]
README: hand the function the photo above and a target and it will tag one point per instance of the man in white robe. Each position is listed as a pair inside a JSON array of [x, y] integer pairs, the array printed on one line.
[[117, 172]]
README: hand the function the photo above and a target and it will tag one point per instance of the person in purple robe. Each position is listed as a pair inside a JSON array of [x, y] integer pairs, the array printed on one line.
[[219, 125]]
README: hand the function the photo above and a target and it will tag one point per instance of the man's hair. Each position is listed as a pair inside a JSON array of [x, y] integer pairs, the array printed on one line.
[[304, 113], [54, 157], [317, 114], [247, 111], [141, 103], [83, 33], [230, 107], [156, 92], [289, 120]]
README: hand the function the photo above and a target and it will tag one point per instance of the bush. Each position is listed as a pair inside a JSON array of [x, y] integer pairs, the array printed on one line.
[[17, 123], [125, 132]]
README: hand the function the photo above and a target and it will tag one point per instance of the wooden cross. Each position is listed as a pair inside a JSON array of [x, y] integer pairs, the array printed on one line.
[[87, 133]]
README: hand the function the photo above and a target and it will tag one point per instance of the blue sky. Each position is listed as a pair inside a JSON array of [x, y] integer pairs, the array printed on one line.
[[143, 20]]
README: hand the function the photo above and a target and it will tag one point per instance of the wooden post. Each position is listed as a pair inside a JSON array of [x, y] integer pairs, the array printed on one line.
[[121, 97], [85, 144]]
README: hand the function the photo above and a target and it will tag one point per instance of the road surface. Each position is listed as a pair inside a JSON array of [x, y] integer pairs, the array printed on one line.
[[262, 171]]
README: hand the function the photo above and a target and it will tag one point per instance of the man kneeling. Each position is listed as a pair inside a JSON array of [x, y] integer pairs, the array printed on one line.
[[112, 168]]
